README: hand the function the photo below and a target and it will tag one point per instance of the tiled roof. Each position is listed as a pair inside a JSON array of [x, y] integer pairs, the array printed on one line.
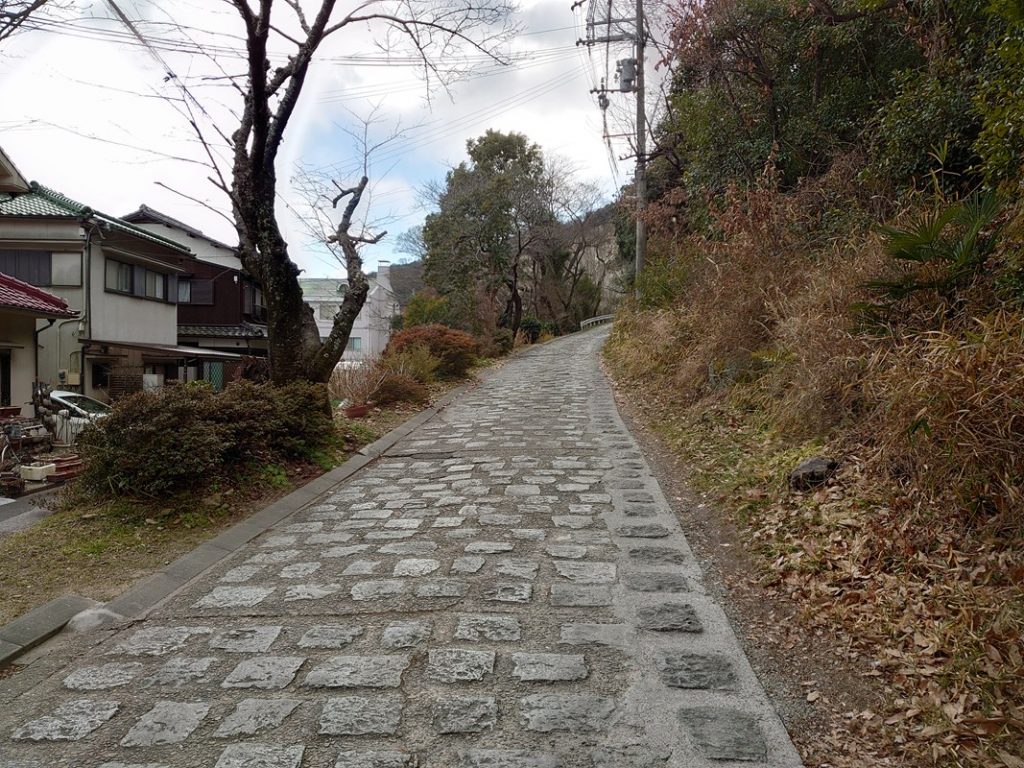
[[15, 294], [45, 202], [31, 204], [240, 331], [145, 214], [322, 286]]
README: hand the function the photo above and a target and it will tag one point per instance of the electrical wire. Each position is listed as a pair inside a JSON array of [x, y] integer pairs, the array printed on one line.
[[177, 45], [339, 95], [464, 122]]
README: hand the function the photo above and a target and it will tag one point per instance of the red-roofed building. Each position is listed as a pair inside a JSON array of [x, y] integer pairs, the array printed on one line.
[[21, 306]]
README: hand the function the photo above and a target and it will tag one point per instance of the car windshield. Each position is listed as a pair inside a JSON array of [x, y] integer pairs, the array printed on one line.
[[86, 404]]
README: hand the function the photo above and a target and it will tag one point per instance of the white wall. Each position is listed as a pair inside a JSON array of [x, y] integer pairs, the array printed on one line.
[[116, 317], [16, 331], [203, 249], [373, 324]]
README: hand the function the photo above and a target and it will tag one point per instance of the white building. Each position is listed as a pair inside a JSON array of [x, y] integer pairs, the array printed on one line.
[[372, 328]]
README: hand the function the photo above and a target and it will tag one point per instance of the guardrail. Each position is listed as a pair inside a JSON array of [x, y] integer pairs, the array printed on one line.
[[590, 322]]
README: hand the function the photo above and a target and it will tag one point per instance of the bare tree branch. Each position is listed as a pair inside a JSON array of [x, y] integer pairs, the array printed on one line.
[[14, 13], [282, 39], [196, 200]]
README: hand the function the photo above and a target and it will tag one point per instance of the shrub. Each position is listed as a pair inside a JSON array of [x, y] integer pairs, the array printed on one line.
[[930, 114], [415, 361], [499, 344], [154, 444], [952, 243], [398, 387], [455, 349], [180, 438], [425, 308], [355, 385], [531, 326], [269, 422]]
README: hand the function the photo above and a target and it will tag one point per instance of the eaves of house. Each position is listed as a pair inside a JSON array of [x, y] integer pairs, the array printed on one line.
[[145, 215], [42, 202]]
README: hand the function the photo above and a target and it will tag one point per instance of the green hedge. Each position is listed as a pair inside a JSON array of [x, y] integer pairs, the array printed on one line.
[[183, 437]]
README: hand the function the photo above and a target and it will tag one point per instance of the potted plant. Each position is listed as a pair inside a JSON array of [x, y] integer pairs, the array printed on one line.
[[356, 411], [354, 386]]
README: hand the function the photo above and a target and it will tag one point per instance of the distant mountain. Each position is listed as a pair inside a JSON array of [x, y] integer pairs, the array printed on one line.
[[406, 279]]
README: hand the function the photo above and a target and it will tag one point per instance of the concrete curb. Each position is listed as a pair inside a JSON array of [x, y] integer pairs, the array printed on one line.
[[28, 631], [146, 594], [47, 620]]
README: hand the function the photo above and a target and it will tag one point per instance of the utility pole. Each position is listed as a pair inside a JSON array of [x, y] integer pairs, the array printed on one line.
[[630, 73], [640, 181]]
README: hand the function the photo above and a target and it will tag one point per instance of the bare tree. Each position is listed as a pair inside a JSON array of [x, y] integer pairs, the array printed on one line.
[[436, 31], [14, 13], [575, 252], [411, 243], [344, 234]]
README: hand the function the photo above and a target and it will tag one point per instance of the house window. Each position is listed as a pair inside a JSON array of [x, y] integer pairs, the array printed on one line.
[[328, 311], [135, 280], [201, 292], [156, 285], [32, 267], [119, 276], [253, 303], [101, 375], [184, 291], [355, 344]]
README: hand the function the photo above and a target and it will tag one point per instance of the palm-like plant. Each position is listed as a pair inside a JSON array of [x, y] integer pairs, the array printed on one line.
[[956, 241]]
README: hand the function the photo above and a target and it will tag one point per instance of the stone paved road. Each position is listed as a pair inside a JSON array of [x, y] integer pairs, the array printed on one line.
[[506, 588]]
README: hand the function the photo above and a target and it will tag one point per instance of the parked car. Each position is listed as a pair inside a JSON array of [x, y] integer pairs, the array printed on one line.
[[74, 411]]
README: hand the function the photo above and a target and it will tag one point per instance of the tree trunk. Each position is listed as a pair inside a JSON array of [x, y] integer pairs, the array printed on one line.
[[293, 335], [516, 300]]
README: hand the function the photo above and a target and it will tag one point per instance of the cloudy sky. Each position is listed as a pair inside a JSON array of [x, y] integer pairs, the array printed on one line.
[[80, 113]]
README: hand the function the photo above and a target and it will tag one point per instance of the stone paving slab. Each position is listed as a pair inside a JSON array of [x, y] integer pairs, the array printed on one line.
[[503, 587]]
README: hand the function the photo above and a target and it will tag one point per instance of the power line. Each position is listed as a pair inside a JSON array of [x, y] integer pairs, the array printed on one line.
[[466, 121], [178, 45], [370, 91]]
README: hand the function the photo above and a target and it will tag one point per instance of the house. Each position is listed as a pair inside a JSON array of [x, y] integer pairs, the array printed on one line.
[[220, 306], [372, 328], [122, 278], [21, 306]]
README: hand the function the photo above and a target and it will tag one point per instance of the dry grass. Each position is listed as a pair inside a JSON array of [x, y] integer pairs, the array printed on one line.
[[933, 612], [914, 557], [356, 384], [957, 400]]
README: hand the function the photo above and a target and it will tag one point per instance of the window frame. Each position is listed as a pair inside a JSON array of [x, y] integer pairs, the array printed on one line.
[[30, 265], [154, 285]]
